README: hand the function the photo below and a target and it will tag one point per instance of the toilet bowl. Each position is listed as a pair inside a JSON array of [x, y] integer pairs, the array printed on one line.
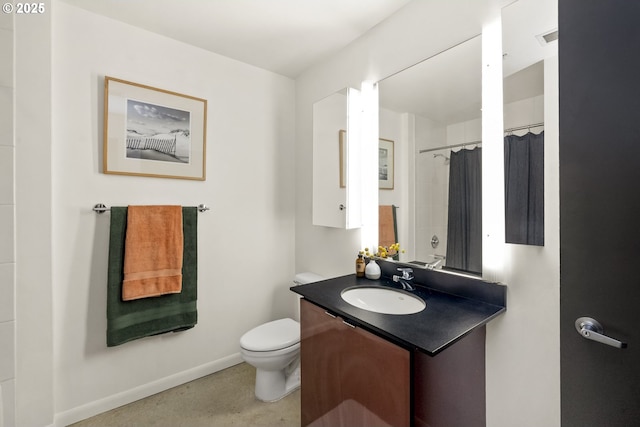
[[273, 348]]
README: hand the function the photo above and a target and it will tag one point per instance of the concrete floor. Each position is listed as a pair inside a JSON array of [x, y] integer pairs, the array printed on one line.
[[225, 398]]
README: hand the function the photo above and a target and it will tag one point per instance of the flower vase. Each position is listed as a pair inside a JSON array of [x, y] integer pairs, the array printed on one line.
[[372, 270]]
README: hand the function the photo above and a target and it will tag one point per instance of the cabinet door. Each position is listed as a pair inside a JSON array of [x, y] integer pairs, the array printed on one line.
[[351, 377], [375, 380], [320, 345], [449, 388]]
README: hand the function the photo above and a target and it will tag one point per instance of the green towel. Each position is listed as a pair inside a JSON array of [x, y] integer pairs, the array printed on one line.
[[130, 320], [396, 257]]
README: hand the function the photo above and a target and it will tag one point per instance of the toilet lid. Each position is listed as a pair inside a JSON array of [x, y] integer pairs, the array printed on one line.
[[272, 336]]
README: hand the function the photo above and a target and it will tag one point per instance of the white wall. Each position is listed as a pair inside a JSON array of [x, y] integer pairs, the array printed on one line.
[[245, 242], [522, 345], [33, 228], [419, 30], [524, 112], [252, 185], [7, 228], [392, 126], [430, 201]]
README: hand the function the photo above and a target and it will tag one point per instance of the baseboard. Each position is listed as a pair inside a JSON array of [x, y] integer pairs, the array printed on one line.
[[111, 402]]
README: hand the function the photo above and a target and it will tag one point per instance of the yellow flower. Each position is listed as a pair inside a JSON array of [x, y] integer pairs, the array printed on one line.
[[383, 252]]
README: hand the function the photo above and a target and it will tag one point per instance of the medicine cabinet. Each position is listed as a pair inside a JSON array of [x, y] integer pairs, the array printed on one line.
[[335, 166]]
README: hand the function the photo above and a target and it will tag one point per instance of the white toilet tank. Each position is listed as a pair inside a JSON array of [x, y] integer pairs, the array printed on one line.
[[307, 277], [303, 279]]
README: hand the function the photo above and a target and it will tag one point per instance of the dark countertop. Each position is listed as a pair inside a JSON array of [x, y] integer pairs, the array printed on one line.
[[446, 319]]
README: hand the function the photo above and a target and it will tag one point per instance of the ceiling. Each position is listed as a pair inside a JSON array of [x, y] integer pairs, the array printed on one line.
[[283, 36], [448, 87], [289, 36]]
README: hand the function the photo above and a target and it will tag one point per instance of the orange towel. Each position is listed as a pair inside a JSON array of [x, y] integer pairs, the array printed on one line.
[[153, 252], [386, 232]]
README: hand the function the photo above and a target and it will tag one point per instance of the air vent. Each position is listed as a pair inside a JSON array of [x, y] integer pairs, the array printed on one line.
[[548, 37]]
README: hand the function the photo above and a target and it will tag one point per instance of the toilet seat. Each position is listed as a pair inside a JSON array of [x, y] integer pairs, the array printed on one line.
[[275, 335]]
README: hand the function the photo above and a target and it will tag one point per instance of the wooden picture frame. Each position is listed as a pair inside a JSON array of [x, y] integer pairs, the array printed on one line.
[[385, 164], [153, 132]]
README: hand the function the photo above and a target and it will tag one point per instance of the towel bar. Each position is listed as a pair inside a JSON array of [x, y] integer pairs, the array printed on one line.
[[101, 208]]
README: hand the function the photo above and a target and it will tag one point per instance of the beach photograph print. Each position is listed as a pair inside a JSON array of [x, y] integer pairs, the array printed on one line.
[[153, 132], [158, 133], [385, 164]]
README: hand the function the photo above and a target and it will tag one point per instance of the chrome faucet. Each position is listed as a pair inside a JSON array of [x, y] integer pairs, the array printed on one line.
[[438, 261], [434, 264], [405, 279]]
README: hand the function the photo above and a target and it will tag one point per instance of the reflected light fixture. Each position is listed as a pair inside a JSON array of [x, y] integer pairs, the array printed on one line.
[[369, 165]]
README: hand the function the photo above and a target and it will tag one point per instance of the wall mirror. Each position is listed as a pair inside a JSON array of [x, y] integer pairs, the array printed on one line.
[[449, 87], [432, 111], [333, 127], [529, 30]]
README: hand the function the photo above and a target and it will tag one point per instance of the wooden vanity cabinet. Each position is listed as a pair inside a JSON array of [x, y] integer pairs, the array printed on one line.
[[350, 377], [449, 388]]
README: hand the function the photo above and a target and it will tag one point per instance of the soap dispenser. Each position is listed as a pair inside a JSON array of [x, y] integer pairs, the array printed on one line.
[[360, 266], [372, 270]]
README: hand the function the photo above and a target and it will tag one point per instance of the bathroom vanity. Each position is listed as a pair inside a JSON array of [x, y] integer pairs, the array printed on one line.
[[364, 368], [342, 366]]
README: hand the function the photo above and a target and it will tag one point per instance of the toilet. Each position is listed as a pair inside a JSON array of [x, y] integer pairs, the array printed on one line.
[[273, 348]]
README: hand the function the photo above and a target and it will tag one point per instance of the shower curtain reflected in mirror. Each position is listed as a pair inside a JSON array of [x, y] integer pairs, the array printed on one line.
[[464, 227], [524, 188]]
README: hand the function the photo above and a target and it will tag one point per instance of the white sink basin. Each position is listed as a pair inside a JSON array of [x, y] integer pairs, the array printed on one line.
[[383, 300]]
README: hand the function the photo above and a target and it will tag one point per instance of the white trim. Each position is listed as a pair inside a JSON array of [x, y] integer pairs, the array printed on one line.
[[114, 401]]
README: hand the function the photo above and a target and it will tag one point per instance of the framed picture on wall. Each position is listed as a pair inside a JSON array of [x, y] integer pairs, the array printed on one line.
[[385, 164], [153, 132]]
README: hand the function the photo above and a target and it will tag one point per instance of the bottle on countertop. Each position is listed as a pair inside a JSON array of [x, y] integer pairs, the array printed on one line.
[[360, 266], [372, 270]]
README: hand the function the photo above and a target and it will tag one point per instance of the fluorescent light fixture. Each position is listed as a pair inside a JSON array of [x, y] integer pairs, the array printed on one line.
[[369, 165], [492, 153], [353, 160]]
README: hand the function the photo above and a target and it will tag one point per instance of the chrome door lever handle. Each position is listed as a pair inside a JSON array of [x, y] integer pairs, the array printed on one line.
[[591, 329]]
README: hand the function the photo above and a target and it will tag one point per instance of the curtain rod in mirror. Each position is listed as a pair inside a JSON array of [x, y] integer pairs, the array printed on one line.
[[444, 147], [535, 125]]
